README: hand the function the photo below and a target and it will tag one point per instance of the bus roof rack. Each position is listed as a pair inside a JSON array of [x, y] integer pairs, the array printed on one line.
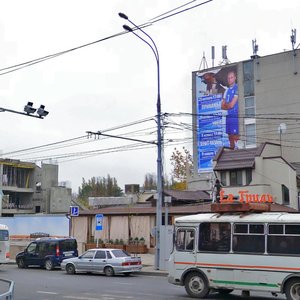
[[240, 207]]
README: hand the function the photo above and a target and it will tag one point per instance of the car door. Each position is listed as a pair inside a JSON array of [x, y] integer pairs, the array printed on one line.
[[99, 261], [31, 254], [85, 261]]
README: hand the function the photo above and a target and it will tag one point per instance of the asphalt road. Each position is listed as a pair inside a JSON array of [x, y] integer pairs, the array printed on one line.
[[39, 284]]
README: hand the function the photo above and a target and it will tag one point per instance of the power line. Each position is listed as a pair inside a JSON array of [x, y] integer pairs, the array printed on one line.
[[19, 66], [77, 138]]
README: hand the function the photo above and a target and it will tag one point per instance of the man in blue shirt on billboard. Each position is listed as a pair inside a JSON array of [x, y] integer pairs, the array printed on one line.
[[230, 103]]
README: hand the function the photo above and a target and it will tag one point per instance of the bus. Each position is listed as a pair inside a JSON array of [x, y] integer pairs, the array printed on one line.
[[222, 252], [4, 244]]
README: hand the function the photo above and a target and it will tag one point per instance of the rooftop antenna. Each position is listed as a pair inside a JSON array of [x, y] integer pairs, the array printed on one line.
[[213, 55], [255, 57], [293, 41], [254, 48], [204, 62], [225, 60]]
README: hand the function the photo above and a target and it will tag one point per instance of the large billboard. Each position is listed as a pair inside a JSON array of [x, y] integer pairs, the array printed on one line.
[[217, 113]]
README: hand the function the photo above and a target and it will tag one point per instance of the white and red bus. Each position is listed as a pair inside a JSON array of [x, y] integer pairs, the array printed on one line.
[[222, 252]]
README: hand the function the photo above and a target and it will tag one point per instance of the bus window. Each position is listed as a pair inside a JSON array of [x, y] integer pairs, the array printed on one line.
[[284, 240], [214, 237], [251, 239], [185, 239]]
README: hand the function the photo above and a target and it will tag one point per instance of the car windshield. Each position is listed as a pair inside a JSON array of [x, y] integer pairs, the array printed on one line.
[[120, 253]]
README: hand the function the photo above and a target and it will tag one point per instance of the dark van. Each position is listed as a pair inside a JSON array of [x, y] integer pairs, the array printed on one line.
[[47, 252]]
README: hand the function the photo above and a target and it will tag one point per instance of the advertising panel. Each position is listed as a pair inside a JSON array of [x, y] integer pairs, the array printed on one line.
[[217, 113]]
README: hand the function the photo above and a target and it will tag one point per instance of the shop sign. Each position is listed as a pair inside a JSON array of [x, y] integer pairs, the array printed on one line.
[[246, 197]]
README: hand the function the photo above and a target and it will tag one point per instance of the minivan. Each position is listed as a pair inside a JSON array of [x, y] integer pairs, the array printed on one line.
[[47, 252]]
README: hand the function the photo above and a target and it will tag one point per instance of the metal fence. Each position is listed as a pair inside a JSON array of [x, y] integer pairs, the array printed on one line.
[[9, 295]]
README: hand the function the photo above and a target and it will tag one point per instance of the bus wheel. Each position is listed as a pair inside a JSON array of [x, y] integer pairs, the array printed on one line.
[[292, 289], [196, 285]]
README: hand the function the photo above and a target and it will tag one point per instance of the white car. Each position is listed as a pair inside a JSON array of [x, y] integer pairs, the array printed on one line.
[[102, 260]]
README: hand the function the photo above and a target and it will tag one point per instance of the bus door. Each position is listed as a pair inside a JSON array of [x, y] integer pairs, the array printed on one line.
[[185, 248]]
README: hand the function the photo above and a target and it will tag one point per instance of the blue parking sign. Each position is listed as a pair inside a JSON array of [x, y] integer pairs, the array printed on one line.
[[74, 211], [99, 222]]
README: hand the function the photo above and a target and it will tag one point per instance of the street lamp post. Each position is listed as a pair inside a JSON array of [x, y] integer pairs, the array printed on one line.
[[159, 136]]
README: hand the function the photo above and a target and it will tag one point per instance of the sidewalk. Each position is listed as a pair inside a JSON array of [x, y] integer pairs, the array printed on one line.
[[148, 266]]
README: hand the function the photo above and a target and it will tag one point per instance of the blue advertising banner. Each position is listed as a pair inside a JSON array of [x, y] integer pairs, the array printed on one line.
[[217, 113]]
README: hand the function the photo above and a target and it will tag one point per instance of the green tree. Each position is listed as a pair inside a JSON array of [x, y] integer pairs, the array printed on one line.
[[99, 187], [182, 165], [150, 182]]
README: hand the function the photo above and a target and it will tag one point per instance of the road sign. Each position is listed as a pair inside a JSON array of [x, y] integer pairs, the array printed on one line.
[[99, 222], [74, 211]]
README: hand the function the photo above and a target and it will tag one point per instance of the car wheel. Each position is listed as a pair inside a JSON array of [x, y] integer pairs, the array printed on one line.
[[292, 289], [196, 285], [21, 263], [109, 271], [49, 265], [70, 269]]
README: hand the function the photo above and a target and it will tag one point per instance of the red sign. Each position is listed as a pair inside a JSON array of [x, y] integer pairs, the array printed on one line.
[[246, 197]]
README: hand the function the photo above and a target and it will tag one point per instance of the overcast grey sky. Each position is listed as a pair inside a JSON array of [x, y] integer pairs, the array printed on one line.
[[112, 83]]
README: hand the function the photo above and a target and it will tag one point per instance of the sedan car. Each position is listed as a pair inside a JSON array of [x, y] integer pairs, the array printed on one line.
[[102, 260]]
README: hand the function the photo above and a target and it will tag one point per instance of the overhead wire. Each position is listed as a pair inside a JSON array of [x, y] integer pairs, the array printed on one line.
[[19, 66]]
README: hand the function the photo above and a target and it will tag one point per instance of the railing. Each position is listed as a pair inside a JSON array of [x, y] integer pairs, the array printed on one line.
[[15, 206], [9, 295]]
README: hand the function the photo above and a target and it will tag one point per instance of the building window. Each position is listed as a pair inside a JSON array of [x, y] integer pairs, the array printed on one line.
[[223, 178], [250, 130], [285, 195], [236, 177], [248, 78], [249, 107], [248, 176]]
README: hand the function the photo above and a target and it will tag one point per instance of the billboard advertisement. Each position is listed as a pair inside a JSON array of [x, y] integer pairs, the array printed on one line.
[[217, 113]]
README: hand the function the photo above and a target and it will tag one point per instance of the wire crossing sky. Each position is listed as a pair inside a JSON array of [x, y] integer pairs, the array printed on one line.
[[107, 81]]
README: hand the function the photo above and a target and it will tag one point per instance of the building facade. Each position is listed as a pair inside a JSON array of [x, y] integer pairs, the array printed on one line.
[[266, 92], [27, 188]]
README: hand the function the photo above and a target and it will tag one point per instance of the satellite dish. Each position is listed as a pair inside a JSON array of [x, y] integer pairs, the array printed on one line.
[[282, 128]]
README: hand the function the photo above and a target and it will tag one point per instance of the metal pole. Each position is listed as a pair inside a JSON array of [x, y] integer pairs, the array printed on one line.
[[166, 214], [159, 139]]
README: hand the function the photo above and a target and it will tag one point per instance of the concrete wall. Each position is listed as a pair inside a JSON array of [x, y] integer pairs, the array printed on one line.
[[277, 91], [60, 199]]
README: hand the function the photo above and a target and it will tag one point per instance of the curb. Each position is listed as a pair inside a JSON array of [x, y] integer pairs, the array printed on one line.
[[144, 273], [152, 273]]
